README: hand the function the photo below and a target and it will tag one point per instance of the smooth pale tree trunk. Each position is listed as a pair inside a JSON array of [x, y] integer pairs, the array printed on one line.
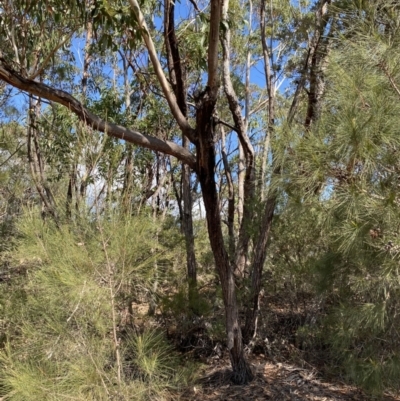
[[260, 253]]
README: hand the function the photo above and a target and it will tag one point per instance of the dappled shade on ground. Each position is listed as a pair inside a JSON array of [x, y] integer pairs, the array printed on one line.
[[273, 381]]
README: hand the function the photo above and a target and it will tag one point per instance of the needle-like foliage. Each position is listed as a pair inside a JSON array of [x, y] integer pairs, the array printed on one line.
[[71, 333], [348, 173]]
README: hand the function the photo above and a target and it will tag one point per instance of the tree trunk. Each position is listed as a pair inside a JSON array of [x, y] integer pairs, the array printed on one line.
[[253, 306], [231, 197], [260, 252], [36, 162], [187, 228], [177, 74], [242, 373], [317, 53], [73, 175]]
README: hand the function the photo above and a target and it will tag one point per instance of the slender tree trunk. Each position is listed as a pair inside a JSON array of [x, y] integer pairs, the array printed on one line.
[[260, 253], [73, 174], [128, 167], [231, 198], [264, 161], [128, 179], [177, 75], [206, 173], [241, 175], [317, 55], [187, 228], [250, 327], [36, 162], [246, 151], [241, 254]]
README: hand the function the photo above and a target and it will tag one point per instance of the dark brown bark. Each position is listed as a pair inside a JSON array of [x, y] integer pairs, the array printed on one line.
[[206, 173], [68, 203], [177, 75], [317, 53], [176, 68], [257, 268], [312, 68]]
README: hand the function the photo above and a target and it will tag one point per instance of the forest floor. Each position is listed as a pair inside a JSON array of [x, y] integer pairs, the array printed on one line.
[[273, 381], [284, 369]]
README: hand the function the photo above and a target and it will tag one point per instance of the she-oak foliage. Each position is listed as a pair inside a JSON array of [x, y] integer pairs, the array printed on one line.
[[61, 328], [349, 165]]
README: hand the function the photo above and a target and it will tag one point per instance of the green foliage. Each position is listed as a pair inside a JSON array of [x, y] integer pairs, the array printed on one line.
[[153, 357], [70, 333], [345, 174], [15, 183]]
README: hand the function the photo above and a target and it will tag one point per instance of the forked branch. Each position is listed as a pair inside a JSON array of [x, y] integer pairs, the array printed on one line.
[[167, 90]]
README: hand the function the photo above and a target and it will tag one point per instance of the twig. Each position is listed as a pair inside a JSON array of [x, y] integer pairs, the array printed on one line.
[[79, 302], [384, 68], [113, 315]]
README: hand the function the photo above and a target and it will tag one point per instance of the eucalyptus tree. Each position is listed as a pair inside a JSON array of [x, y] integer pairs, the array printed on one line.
[[202, 93]]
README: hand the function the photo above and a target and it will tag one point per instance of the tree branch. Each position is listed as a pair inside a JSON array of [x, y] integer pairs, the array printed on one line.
[[196, 7], [233, 101], [384, 68], [213, 42], [14, 79], [249, 178], [51, 54], [167, 90]]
